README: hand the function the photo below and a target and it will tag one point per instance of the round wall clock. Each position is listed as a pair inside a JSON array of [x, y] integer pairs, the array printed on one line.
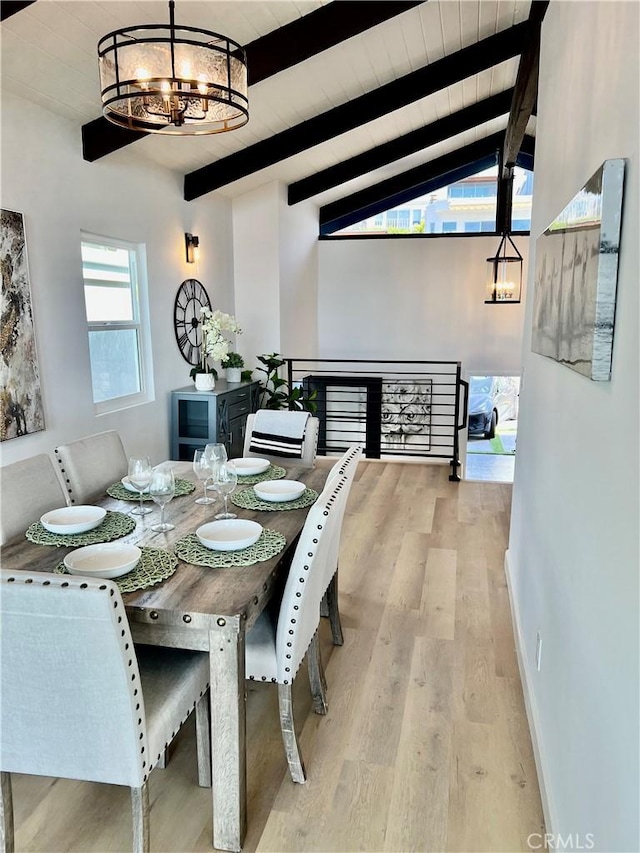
[[190, 298]]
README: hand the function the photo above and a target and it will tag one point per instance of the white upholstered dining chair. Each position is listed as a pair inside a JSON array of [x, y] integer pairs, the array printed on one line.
[[345, 467], [90, 464], [277, 643], [28, 489], [79, 702], [309, 445]]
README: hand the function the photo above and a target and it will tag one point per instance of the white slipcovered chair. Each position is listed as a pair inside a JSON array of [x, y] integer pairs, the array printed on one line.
[[309, 445], [79, 702], [28, 489], [90, 464], [276, 645], [345, 467]]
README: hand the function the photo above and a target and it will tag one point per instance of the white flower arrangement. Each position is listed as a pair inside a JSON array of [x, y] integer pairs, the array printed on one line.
[[214, 345]]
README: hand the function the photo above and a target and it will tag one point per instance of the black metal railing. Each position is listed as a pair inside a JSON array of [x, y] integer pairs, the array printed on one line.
[[396, 408]]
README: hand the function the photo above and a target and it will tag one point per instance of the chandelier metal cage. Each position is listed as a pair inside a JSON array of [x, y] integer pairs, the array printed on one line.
[[172, 79], [504, 284]]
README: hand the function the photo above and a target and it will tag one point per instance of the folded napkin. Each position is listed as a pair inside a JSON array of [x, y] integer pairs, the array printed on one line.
[[278, 433]]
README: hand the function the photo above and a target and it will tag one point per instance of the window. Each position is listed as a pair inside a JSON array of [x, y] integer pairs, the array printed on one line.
[[403, 218], [117, 322], [520, 224], [467, 205]]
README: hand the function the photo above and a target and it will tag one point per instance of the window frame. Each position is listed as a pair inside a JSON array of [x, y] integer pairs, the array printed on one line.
[[140, 322]]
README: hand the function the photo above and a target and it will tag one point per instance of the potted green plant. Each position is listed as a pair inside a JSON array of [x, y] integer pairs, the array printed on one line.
[[234, 364], [276, 393]]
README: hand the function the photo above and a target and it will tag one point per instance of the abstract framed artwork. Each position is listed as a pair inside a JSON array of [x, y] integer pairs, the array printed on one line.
[[576, 277], [21, 410]]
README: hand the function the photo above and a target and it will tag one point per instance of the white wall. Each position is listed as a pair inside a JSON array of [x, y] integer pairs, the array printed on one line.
[[45, 178], [573, 558], [416, 299], [256, 256], [298, 278], [275, 263]]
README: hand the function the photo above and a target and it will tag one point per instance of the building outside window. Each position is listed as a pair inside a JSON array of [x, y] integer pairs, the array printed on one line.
[[449, 227], [116, 307]]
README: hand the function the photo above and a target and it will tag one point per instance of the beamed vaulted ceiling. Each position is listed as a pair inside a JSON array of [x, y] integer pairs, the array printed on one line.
[[354, 104]]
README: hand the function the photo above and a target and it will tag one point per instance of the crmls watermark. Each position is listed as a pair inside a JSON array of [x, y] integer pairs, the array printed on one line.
[[556, 841]]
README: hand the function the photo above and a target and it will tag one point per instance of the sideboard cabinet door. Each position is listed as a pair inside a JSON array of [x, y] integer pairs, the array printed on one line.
[[205, 417]]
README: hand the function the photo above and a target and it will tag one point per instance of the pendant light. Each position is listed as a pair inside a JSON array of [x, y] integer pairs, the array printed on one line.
[[504, 273], [504, 269], [172, 79]]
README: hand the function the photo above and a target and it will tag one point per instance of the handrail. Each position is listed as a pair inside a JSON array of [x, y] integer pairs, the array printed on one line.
[[396, 407]]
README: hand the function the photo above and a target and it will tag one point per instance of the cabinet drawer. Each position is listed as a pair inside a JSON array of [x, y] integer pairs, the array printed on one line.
[[239, 405]]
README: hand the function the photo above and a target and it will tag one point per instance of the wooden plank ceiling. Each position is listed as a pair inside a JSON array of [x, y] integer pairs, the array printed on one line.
[[344, 107]]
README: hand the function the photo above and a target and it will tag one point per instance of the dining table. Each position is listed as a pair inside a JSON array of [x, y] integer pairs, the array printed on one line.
[[201, 608]]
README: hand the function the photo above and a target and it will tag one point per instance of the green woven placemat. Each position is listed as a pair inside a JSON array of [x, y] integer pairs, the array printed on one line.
[[118, 491], [154, 566], [115, 526], [192, 551], [274, 472], [247, 499]]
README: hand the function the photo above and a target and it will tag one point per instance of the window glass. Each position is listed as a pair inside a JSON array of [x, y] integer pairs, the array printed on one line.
[[468, 205], [114, 292], [522, 200]]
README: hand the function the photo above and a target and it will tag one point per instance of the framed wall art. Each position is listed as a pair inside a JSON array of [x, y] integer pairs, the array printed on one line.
[[576, 277], [20, 397]]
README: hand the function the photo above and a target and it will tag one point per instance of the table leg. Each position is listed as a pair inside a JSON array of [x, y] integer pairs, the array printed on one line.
[[228, 734]]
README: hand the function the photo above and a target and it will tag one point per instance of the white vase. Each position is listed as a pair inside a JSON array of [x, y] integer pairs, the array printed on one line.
[[234, 374], [205, 381]]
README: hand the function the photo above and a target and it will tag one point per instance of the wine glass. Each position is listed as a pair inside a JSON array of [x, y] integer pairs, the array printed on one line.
[[162, 489], [225, 479], [203, 470], [217, 455], [140, 476]]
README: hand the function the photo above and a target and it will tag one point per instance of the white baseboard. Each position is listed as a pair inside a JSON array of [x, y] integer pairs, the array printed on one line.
[[531, 708]]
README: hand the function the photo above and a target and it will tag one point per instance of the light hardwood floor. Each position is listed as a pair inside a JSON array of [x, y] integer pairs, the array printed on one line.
[[425, 746]]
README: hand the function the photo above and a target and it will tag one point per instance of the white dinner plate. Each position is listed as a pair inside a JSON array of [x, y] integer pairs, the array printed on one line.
[[72, 519], [107, 560], [130, 487], [229, 534], [279, 490], [249, 465]]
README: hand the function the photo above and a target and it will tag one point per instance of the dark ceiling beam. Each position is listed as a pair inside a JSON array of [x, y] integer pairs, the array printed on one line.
[[372, 105], [319, 30], [389, 152], [268, 55], [410, 184], [10, 7], [526, 155], [526, 87]]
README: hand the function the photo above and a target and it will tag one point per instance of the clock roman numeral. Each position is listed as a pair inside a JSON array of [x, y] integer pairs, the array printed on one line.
[[183, 340]]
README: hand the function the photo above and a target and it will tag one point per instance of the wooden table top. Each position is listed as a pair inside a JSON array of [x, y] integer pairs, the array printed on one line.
[[193, 594]]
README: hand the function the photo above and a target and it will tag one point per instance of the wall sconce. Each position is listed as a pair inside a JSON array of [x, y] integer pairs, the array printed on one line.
[[192, 247], [504, 274]]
